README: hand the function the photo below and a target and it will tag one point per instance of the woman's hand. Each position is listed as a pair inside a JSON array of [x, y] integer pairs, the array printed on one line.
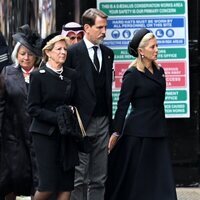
[[112, 141]]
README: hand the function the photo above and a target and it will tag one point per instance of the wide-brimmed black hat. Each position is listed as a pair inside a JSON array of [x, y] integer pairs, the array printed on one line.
[[28, 38], [134, 43]]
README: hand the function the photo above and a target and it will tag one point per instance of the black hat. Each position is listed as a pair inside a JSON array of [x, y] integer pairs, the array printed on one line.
[[29, 39], [48, 38], [134, 43]]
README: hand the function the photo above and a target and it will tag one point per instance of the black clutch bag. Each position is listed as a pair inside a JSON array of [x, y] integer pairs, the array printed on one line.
[[70, 124], [67, 121]]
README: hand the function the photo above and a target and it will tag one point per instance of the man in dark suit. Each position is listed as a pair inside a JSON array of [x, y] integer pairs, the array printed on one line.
[[4, 53], [94, 64]]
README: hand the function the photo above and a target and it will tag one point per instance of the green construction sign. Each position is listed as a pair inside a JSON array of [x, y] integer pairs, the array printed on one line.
[[164, 53], [143, 8]]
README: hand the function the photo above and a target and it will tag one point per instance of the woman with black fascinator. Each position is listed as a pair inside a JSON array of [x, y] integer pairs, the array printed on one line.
[[20, 177]]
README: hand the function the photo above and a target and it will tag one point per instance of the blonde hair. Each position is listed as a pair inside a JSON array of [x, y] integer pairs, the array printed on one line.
[[138, 63], [50, 44]]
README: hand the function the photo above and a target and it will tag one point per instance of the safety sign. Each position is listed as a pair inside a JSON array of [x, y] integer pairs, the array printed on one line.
[[168, 20], [169, 31]]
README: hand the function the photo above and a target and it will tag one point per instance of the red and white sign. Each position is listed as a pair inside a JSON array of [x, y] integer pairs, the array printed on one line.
[[176, 74], [120, 68]]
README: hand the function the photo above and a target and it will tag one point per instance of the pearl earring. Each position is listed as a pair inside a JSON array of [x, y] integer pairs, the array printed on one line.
[[142, 56]]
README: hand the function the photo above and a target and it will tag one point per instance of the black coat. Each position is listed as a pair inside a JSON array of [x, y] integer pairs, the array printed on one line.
[[79, 59], [47, 92], [15, 137], [140, 165], [146, 93]]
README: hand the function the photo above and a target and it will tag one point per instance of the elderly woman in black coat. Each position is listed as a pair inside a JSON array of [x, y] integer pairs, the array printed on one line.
[[14, 119], [51, 87], [139, 162]]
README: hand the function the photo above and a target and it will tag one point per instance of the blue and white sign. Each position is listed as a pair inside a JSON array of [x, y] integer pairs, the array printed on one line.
[[170, 31]]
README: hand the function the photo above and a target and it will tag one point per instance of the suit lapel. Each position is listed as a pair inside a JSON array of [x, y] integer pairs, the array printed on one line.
[[157, 77], [18, 77], [106, 61]]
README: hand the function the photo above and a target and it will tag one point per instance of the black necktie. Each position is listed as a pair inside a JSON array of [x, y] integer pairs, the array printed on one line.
[[96, 60]]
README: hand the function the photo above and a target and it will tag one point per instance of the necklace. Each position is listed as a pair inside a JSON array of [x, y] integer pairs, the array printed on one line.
[[60, 71], [57, 71]]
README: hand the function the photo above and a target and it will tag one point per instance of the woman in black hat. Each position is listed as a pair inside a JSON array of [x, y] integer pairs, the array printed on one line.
[[14, 119], [52, 86], [139, 161]]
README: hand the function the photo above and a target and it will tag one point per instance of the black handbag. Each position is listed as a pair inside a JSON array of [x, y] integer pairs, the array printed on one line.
[[70, 124], [67, 121]]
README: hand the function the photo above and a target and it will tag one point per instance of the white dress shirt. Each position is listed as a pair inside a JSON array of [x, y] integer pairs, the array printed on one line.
[[89, 46]]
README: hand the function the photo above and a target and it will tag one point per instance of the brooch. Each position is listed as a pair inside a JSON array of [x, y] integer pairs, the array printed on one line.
[[42, 71]]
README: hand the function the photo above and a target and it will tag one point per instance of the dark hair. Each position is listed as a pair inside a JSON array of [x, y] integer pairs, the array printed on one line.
[[89, 16]]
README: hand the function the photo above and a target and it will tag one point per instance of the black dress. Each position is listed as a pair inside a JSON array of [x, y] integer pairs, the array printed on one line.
[[139, 165], [56, 155]]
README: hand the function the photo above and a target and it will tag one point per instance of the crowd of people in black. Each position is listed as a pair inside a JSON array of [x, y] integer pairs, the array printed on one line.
[[129, 157]]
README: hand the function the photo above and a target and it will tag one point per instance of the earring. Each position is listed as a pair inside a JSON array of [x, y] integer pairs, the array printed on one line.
[[142, 56]]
